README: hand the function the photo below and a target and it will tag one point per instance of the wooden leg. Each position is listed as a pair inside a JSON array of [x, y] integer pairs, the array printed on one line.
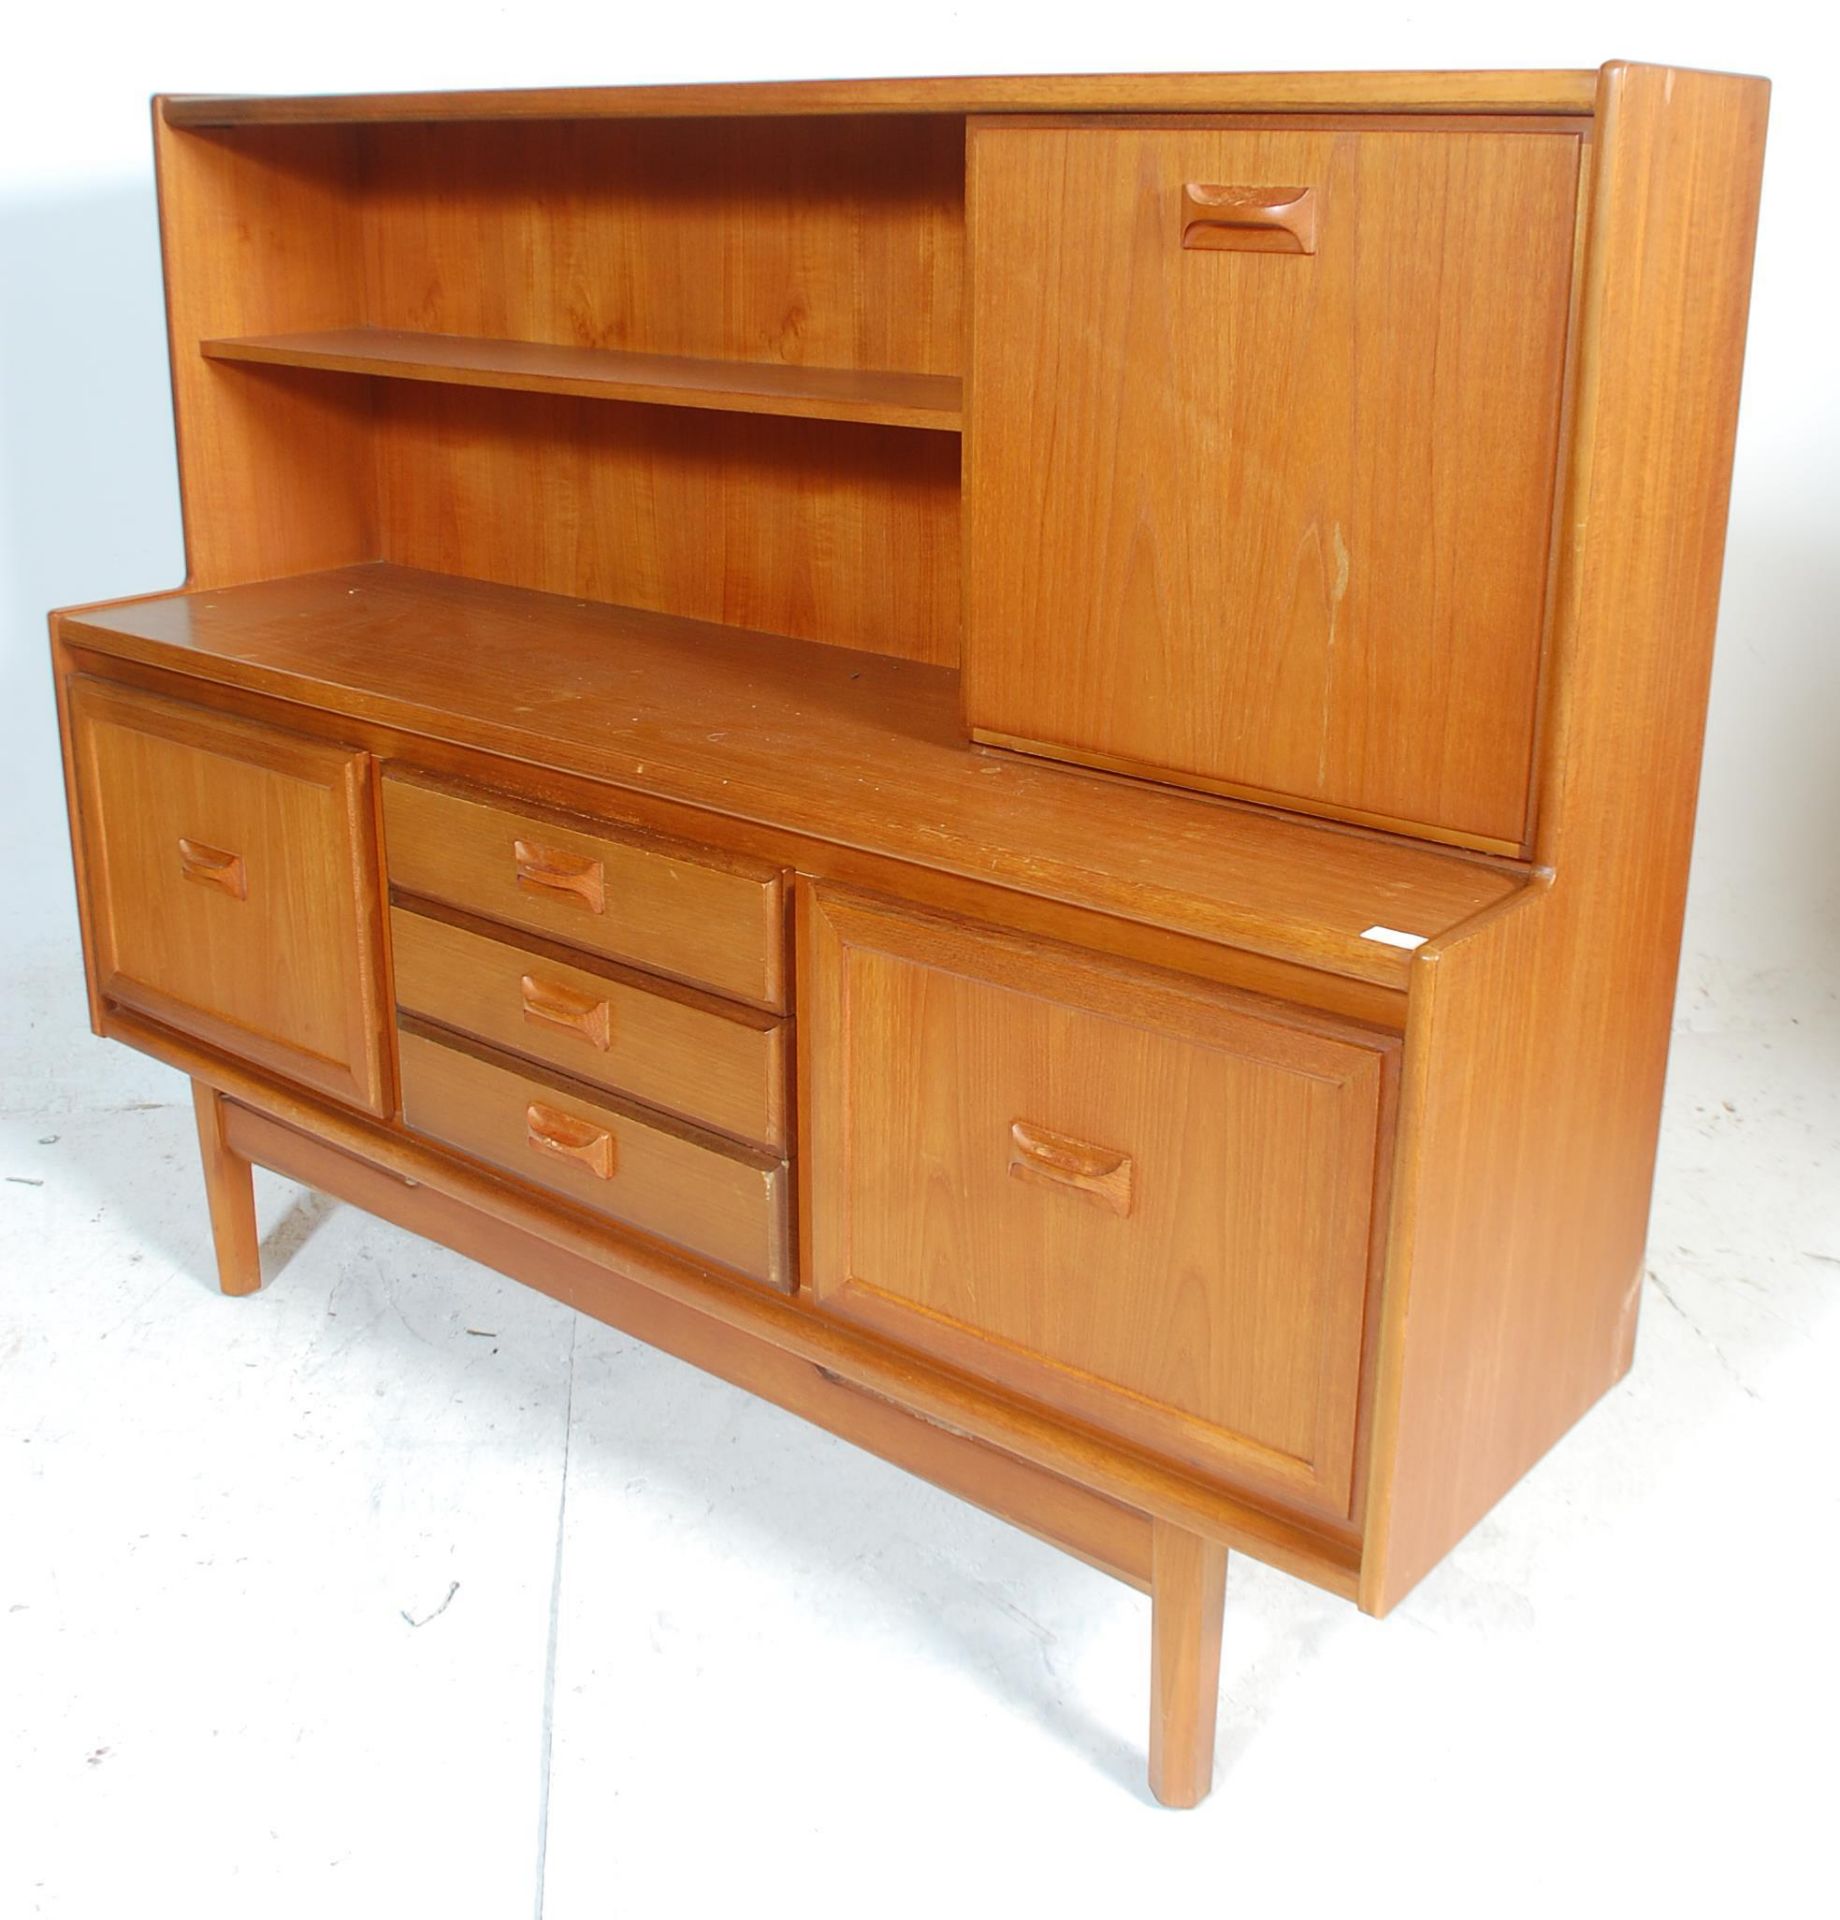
[[230, 1193], [1188, 1594]]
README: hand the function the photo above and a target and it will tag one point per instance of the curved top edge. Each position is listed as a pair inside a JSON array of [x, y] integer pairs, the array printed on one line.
[[1564, 91]]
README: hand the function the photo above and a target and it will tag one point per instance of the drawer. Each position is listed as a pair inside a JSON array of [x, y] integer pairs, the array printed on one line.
[[230, 872], [711, 1196], [1261, 501], [694, 1055], [675, 909], [1138, 1200]]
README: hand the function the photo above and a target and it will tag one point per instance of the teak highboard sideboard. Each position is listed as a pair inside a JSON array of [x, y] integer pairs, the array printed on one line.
[[1012, 760]]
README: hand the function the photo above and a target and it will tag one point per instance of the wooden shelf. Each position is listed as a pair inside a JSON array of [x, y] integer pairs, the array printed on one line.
[[927, 400], [849, 748]]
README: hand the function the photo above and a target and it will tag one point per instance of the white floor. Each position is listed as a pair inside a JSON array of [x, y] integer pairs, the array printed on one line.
[[398, 1590]]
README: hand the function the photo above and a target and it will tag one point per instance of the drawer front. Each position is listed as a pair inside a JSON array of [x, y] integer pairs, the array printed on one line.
[[712, 1197], [705, 1059], [231, 878], [1270, 521], [673, 909], [1129, 1198]]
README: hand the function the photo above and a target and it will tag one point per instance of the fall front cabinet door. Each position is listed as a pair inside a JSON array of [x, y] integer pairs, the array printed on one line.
[[1260, 474], [1128, 1196]]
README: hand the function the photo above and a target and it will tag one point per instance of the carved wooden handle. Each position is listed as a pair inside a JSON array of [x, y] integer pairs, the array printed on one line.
[[550, 870], [550, 1130], [1249, 219], [213, 867], [548, 1003], [1050, 1159]]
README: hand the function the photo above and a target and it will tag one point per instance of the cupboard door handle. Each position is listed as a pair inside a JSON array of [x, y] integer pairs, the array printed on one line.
[[213, 867], [1048, 1159], [550, 1130], [1249, 219], [552, 871], [548, 1003]]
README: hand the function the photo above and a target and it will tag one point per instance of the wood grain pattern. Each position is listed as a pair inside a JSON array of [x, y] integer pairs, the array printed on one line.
[[837, 747], [1188, 1591], [1274, 523], [930, 400], [230, 1197], [284, 970], [1426, 91], [1538, 1036], [688, 912], [694, 1189], [847, 535], [688, 1053], [1217, 1319], [805, 243], [824, 254], [258, 233]]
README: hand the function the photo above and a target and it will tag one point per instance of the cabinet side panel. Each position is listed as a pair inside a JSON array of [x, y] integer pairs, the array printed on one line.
[[1537, 1040], [260, 231]]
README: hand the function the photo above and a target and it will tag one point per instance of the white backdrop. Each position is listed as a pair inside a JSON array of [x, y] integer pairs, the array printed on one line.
[[88, 499]]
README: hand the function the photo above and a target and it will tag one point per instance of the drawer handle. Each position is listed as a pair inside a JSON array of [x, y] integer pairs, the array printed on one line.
[[551, 871], [1049, 1159], [551, 1131], [548, 1003], [213, 867], [1249, 219]]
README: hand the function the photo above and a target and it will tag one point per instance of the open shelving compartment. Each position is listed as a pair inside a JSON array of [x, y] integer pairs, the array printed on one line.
[[701, 367]]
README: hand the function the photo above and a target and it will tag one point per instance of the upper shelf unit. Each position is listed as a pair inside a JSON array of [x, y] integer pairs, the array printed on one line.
[[709, 367], [655, 379]]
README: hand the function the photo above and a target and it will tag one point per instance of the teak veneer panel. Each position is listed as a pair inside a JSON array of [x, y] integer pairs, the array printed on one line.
[[1538, 1037], [722, 386], [232, 884], [1125, 1195], [1275, 523], [791, 243], [842, 534], [691, 1054], [710, 1196], [685, 911], [845, 747], [1425, 91]]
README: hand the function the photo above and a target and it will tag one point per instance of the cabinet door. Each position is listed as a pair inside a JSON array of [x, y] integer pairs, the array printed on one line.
[[231, 873], [1129, 1197], [1266, 520]]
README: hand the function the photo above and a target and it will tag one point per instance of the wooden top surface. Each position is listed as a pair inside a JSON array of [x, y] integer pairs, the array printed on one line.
[[855, 749], [1564, 91]]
